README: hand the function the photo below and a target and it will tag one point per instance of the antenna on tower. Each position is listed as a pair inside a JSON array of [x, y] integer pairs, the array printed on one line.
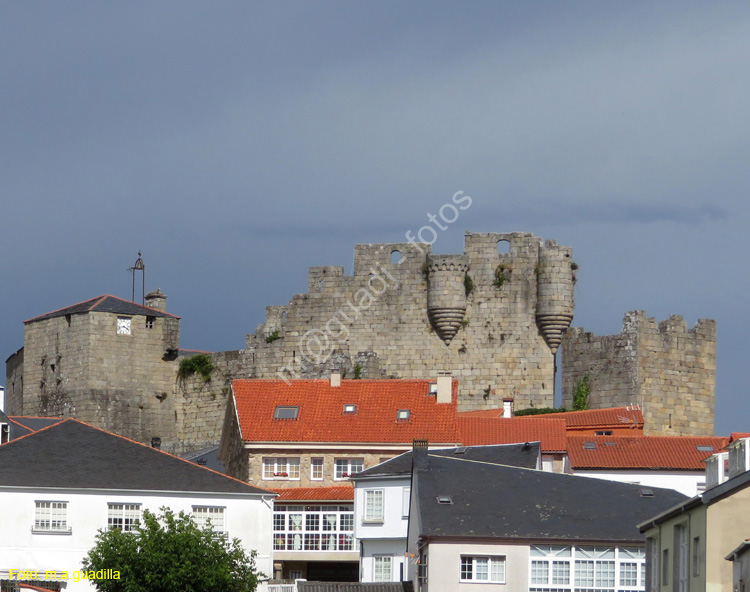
[[139, 266]]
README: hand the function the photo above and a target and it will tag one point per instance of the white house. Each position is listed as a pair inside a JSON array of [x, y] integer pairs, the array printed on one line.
[[382, 498], [513, 529], [61, 485]]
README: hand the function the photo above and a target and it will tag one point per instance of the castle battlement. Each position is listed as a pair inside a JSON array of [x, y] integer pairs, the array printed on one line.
[[666, 367], [493, 315]]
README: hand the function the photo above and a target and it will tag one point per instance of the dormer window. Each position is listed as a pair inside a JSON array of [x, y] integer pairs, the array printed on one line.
[[403, 414], [349, 409], [286, 412]]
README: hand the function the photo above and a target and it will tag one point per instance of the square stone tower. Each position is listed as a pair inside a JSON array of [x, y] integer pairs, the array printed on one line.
[[105, 361], [667, 369]]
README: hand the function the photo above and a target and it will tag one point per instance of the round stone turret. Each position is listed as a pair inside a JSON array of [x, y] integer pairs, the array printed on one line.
[[555, 280], [446, 296]]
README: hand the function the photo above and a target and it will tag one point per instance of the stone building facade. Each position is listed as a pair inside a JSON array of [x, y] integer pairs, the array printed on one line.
[[113, 363], [666, 368], [493, 318]]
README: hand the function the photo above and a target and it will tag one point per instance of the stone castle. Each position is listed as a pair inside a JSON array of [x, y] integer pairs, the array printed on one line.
[[494, 316]]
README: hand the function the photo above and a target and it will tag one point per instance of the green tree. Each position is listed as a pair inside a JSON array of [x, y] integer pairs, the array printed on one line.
[[581, 393], [169, 553]]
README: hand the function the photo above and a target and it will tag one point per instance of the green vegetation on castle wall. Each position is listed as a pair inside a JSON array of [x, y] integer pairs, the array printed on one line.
[[200, 364]]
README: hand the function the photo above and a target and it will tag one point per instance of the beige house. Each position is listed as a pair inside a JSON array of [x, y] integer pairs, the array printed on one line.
[[686, 546]]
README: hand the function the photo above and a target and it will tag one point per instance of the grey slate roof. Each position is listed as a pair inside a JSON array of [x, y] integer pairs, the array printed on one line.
[[512, 503], [515, 455], [354, 587], [104, 303], [32, 424], [22, 426], [206, 457], [72, 454]]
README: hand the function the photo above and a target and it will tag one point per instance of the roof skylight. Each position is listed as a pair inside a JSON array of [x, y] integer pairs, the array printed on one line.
[[286, 412]]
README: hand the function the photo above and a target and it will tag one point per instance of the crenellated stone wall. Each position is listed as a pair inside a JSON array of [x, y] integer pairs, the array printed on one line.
[[666, 368], [493, 318]]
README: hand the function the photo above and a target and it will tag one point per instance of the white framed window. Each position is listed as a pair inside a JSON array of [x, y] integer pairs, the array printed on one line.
[[123, 516], [316, 469], [556, 568], [346, 467], [313, 528], [210, 517], [405, 501], [281, 467], [374, 505], [51, 517], [489, 569], [382, 568]]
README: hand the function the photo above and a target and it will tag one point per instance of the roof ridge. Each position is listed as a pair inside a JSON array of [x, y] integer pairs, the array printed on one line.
[[156, 450], [192, 464], [62, 308]]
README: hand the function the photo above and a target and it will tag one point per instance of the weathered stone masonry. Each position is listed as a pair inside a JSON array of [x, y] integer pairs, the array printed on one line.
[[413, 317], [667, 369]]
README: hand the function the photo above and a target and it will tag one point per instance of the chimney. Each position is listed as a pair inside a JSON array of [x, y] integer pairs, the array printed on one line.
[[508, 407], [445, 387], [419, 454], [157, 300], [335, 378]]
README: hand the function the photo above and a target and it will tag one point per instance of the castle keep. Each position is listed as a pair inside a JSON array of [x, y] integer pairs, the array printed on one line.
[[666, 368], [495, 319], [113, 363]]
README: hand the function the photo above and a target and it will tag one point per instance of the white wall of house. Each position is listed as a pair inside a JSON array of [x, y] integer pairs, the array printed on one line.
[[686, 482], [392, 551], [246, 518], [384, 537], [444, 567]]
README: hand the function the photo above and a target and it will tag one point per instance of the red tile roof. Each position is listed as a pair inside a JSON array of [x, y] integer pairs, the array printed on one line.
[[739, 435], [321, 416], [591, 418], [642, 452], [344, 493], [477, 431]]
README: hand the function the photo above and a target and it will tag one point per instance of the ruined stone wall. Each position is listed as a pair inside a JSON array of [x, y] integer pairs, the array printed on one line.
[[667, 369], [201, 405], [405, 313]]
